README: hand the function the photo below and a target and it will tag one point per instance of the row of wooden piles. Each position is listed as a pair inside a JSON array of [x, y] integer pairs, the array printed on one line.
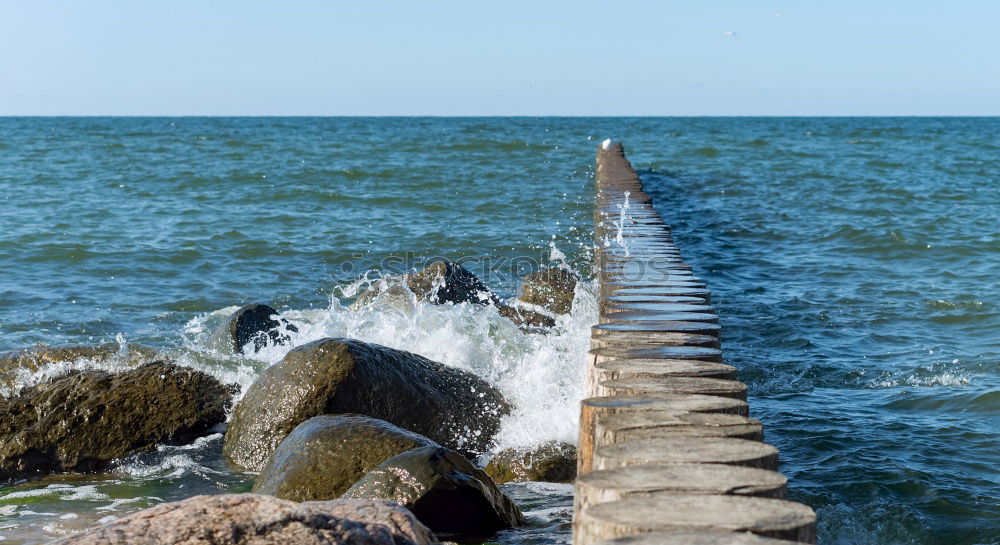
[[668, 453]]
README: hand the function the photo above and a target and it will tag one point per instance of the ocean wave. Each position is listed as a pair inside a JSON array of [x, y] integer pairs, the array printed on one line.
[[540, 374]]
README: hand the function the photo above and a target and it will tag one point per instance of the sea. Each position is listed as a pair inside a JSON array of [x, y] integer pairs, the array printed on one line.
[[854, 263]]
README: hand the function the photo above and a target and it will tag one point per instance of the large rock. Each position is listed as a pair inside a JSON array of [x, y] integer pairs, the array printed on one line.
[[443, 489], [524, 317], [257, 323], [325, 455], [253, 519], [447, 282], [32, 359], [82, 420], [329, 376], [552, 462], [551, 289]]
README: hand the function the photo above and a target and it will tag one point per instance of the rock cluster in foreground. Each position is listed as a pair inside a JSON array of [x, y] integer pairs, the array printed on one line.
[[375, 442], [334, 376]]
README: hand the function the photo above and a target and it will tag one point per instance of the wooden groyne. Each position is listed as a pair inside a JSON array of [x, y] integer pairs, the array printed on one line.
[[667, 451]]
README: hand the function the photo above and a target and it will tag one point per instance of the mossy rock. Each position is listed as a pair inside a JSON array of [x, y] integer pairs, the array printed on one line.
[[454, 408], [551, 289], [443, 490], [84, 419], [553, 462], [325, 455]]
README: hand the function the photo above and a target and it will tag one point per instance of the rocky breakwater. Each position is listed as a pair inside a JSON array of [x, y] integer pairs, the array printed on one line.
[[667, 451]]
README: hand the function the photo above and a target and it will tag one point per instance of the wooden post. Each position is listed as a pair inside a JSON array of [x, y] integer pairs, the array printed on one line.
[[667, 454]]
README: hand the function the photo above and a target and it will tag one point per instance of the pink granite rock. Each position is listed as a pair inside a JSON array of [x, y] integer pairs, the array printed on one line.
[[254, 519]]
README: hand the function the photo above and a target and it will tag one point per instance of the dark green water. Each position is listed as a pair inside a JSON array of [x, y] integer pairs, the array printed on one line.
[[854, 263]]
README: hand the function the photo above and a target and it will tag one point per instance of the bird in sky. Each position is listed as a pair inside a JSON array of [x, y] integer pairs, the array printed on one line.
[[729, 33]]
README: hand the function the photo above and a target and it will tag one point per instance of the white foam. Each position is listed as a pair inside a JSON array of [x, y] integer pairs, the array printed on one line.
[[64, 491], [540, 374], [24, 377], [946, 378]]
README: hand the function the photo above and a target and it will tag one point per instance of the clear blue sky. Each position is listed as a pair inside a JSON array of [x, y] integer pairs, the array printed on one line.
[[179, 57]]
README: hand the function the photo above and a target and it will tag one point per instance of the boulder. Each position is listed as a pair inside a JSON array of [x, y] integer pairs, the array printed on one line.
[[454, 408], [551, 289], [256, 322], [553, 462], [443, 490], [446, 282], [82, 420], [394, 295], [325, 455], [253, 519], [525, 318], [32, 359]]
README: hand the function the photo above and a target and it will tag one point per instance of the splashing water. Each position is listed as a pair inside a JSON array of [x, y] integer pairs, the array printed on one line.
[[540, 374]]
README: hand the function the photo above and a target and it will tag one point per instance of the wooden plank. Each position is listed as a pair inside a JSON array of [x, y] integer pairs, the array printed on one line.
[[707, 450], [762, 516]]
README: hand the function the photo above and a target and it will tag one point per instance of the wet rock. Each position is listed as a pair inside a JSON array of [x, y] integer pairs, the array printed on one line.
[[524, 317], [445, 282], [82, 420], [454, 408], [443, 489], [256, 323], [553, 462], [253, 519], [325, 455], [393, 295], [551, 289], [32, 359]]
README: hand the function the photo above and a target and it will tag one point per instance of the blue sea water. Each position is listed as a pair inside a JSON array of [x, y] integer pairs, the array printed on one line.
[[853, 261]]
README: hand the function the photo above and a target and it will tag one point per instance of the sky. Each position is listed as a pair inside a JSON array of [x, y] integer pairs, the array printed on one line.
[[558, 57]]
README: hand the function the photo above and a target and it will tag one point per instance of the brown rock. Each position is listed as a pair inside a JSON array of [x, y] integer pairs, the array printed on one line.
[[524, 317], [551, 289], [443, 489], [35, 358], [325, 455], [82, 420], [553, 462], [330, 376]]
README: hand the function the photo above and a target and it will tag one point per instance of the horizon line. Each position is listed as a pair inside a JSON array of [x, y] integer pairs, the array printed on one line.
[[8, 116]]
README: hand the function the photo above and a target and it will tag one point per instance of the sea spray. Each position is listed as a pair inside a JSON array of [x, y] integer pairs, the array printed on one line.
[[540, 373]]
